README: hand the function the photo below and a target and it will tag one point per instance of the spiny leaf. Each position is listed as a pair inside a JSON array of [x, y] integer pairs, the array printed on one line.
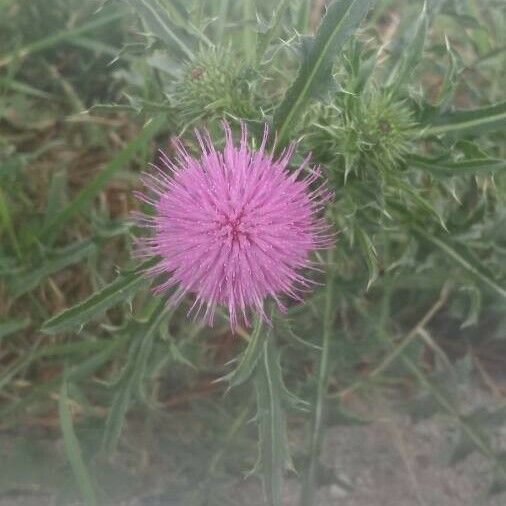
[[274, 455], [117, 291], [411, 54], [315, 73], [422, 202], [116, 417], [158, 21], [450, 80], [249, 357], [266, 38], [463, 258], [73, 449], [459, 168], [469, 122], [132, 375], [369, 253]]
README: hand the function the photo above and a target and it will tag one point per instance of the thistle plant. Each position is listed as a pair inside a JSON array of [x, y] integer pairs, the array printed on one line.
[[330, 208]]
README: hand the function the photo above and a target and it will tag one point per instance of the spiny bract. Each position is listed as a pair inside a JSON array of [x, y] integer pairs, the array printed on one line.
[[233, 226]]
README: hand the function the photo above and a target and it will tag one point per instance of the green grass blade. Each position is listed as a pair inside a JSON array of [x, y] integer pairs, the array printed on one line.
[[6, 223], [249, 36], [19, 365], [117, 291], [56, 195], [221, 21], [73, 449], [93, 188], [318, 422], [116, 418], [274, 455], [58, 37], [158, 21], [70, 255], [11, 327], [472, 122], [23, 88], [146, 337], [84, 369], [315, 73]]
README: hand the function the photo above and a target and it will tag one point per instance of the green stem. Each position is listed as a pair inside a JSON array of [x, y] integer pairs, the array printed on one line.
[[318, 423]]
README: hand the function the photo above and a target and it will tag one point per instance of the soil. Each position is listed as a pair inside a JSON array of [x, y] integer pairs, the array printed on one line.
[[390, 462]]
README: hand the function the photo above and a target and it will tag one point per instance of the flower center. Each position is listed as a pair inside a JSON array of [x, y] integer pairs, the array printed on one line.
[[232, 227]]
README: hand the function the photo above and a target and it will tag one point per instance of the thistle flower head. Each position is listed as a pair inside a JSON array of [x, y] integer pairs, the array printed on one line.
[[370, 130], [216, 83], [233, 226]]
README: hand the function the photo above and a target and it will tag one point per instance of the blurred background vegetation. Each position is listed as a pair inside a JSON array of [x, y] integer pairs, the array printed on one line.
[[107, 397]]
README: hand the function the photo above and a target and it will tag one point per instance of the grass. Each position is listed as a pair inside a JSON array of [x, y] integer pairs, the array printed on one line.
[[89, 92]]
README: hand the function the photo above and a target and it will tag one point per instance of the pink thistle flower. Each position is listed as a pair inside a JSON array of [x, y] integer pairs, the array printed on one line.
[[233, 226]]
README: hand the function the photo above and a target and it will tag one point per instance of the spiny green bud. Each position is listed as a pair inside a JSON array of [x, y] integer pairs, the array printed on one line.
[[362, 131], [214, 85]]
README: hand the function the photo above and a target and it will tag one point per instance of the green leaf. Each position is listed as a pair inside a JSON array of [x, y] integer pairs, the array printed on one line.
[[73, 449], [93, 188], [146, 337], [266, 38], [274, 456], [249, 357], [117, 291], [315, 73], [411, 54], [460, 168], [84, 369], [158, 21], [132, 376], [416, 198], [249, 36], [17, 366], [473, 121], [56, 195], [12, 326], [462, 448], [475, 306], [6, 222], [463, 258], [369, 253], [337, 415], [450, 80], [56, 38], [70, 255]]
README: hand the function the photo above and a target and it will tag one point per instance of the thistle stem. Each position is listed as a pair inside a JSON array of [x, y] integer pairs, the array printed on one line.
[[309, 486]]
